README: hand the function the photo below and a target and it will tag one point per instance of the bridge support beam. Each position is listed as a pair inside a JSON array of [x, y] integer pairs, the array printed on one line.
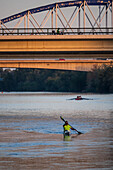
[[57, 43], [78, 65]]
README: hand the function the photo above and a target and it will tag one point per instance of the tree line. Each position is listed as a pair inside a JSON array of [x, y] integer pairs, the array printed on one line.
[[99, 80]]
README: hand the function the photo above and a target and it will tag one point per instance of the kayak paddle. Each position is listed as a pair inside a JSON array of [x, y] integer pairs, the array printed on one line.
[[71, 126]]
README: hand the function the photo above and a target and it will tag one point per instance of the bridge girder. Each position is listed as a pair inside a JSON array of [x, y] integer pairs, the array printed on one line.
[[57, 43], [80, 65]]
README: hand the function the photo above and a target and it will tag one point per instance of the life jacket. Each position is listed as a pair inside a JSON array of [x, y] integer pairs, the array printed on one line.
[[67, 128]]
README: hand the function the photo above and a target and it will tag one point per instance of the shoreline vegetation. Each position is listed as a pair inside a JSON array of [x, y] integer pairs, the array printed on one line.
[[99, 80]]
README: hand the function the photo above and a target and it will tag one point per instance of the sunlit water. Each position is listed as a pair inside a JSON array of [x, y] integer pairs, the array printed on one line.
[[48, 107], [84, 115]]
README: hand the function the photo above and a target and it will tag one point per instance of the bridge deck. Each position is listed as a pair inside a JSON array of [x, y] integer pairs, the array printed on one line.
[[57, 43], [38, 37]]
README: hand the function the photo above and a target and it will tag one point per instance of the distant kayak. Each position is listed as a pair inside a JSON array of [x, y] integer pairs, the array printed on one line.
[[80, 98]]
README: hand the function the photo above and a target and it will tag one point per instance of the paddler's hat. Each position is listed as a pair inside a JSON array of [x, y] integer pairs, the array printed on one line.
[[66, 122]]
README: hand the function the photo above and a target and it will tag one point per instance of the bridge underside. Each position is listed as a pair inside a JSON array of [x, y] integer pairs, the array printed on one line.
[[57, 55], [79, 65]]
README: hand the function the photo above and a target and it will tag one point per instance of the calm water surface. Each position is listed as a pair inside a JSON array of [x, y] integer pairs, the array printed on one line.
[[52, 104], [48, 107], [84, 115]]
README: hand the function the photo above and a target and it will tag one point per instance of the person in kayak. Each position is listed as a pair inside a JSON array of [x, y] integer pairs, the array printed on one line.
[[79, 98], [67, 128]]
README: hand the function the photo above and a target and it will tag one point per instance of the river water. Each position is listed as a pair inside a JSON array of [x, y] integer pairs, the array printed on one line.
[[48, 107], [40, 113]]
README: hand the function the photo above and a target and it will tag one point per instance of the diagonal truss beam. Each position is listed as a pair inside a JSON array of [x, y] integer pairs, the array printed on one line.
[[105, 13], [35, 20], [99, 16], [44, 19], [71, 16], [65, 19], [93, 16], [18, 23], [88, 18], [5, 27], [76, 14], [47, 17]]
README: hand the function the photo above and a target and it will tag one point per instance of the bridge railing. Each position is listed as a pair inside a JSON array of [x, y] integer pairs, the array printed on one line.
[[54, 31]]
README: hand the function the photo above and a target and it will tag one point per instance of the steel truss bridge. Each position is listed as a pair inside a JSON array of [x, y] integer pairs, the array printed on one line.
[[67, 15], [59, 22]]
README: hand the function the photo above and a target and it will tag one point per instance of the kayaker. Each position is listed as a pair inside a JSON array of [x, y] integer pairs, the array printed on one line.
[[78, 98], [67, 128]]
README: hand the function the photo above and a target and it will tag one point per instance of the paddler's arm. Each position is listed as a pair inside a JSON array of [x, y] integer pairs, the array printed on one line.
[[74, 129]]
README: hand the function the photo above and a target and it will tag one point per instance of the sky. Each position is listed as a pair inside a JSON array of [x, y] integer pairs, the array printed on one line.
[[10, 7]]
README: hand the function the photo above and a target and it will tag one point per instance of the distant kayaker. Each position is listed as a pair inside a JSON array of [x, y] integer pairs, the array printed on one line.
[[67, 128], [78, 98]]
